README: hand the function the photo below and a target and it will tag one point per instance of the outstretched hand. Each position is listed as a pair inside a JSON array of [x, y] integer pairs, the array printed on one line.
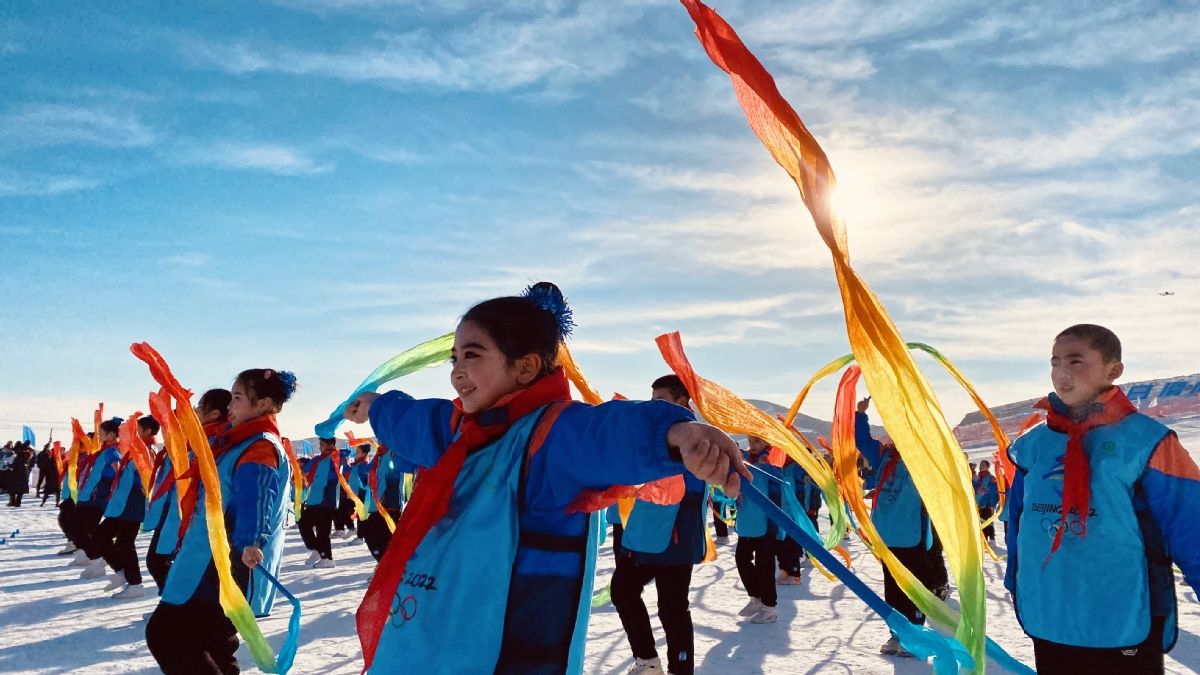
[[710, 454], [359, 410]]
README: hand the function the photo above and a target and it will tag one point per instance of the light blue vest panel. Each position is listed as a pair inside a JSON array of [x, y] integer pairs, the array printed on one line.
[[751, 521], [106, 457], [194, 552], [465, 560], [1095, 590], [898, 515], [128, 487], [156, 510]]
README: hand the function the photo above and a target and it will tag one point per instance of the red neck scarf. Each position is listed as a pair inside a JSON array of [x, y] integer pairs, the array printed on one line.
[[373, 473], [431, 500], [1110, 407], [316, 462], [222, 442]]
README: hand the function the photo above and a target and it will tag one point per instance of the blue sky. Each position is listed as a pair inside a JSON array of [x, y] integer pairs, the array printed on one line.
[[319, 184]]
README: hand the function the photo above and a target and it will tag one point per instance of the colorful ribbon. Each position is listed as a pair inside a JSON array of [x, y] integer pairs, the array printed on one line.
[[297, 479], [133, 447], [233, 601], [430, 353], [904, 399]]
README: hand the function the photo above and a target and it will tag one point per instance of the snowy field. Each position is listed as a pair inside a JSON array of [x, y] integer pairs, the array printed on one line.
[[52, 622]]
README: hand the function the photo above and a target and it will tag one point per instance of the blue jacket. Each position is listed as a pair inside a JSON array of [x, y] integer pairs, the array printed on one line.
[[1100, 590], [97, 489], [808, 493], [671, 534], [322, 491], [128, 501], [388, 480], [587, 448], [359, 479], [751, 520], [987, 491], [899, 514]]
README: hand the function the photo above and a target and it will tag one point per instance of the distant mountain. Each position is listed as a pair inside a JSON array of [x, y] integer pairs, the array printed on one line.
[[1166, 399]]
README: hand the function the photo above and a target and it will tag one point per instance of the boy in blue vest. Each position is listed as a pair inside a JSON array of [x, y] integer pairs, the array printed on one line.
[[123, 521], [808, 494], [903, 523], [358, 480], [320, 504], [1104, 500], [987, 497], [760, 541], [661, 544]]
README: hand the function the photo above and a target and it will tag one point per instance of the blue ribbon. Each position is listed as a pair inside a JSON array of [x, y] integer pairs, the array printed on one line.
[[287, 652]]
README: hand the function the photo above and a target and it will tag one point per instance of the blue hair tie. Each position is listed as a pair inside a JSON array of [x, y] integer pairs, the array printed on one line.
[[547, 296], [117, 421], [288, 378]]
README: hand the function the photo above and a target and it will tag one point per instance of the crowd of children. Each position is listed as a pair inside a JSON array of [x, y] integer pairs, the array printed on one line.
[[1103, 503]]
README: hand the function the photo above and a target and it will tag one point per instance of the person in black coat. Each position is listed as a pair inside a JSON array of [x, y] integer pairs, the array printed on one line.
[[18, 476]]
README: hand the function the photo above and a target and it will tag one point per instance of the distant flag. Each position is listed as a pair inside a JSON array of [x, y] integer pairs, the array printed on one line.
[[28, 437]]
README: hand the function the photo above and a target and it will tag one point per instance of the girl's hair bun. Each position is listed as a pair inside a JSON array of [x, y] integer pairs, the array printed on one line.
[[550, 298]]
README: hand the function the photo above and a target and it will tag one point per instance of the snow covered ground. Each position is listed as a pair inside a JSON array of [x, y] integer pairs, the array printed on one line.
[[52, 622]]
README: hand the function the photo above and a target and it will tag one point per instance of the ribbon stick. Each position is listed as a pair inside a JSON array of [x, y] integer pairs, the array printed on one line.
[[297, 479], [232, 600], [905, 401], [430, 353], [287, 652]]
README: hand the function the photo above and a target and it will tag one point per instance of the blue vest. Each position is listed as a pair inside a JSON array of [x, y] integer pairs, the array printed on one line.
[[1096, 590], [156, 510], [96, 489], [322, 492], [193, 566], [899, 515], [528, 592], [387, 481], [751, 521], [128, 500], [671, 534]]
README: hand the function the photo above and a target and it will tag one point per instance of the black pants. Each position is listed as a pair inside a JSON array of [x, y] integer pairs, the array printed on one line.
[[722, 528], [927, 566], [85, 521], [791, 552], [14, 498], [191, 639], [989, 532], [755, 557], [342, 518], [51, 489], [1052, 658], [158, 563], [66, 511], [115, 541], [315, 525], [672, 583], [375, 532]]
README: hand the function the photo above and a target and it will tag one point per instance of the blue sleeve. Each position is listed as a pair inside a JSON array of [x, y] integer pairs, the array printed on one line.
[[1015, 503], [1172, 488], [255, 498], [597, 447], [868, 447], [992, 498], [416, 431]]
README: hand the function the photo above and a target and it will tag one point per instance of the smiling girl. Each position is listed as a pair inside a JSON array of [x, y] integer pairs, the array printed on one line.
[[488, 539], [188, 632]]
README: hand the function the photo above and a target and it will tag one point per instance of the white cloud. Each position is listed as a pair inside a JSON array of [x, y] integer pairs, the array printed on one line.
[[270, 157], [35, 125]]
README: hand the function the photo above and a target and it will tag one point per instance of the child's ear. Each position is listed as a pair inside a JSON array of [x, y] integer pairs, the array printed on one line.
[[1115, 370], [528, 368]]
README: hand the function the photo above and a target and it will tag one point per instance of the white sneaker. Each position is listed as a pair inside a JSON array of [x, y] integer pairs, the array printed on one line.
[[94, 570], [753, 607], [131, 591], [766, 615], [312, 558], [115, 581], [324, 564], [69, 548], [80, 559], [645, 667]]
